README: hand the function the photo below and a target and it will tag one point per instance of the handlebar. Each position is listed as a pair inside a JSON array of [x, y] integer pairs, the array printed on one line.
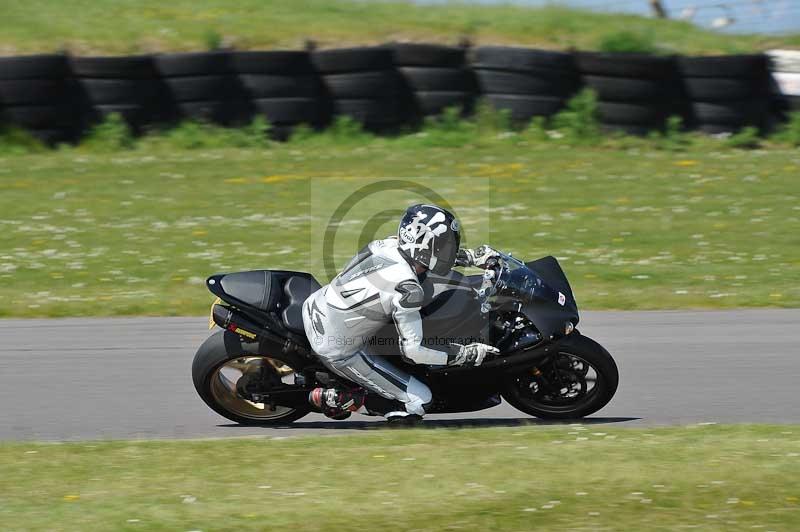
[[491, 277], [495, 277]]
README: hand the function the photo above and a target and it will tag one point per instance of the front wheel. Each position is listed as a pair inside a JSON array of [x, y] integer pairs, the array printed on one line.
[[578, 380], [232, 376]]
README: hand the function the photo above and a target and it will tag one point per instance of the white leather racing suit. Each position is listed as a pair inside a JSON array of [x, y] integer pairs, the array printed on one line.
[[376, 287]]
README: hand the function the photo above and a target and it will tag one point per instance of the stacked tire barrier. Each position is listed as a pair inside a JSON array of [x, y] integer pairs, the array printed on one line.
[[37, 94], [385, 88], [129, 86], [636, 93], [785, 82], [525, 82], [203, 86], [362, 83], [281, 86], [726, 93], [434, 77]]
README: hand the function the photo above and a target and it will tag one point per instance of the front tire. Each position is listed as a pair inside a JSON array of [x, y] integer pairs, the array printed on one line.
[[580, 380], [214, 372]]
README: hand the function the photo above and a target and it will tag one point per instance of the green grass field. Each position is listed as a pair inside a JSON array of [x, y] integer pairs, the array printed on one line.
[[574, 477], [137, 232], [125, 27]]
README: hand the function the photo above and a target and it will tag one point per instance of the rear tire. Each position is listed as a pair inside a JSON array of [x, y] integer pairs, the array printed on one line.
[[223, 347], [606, 385]]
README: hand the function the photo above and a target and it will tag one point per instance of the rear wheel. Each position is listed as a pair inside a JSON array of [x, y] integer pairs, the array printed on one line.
[[580, 379], [244, 385]]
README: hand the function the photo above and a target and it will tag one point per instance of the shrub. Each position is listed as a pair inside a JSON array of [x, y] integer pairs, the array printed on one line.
[[112, 134], [746, 138], [256, 134], [344, 130], [17, 141], [673, 137], [491, 121], [301, 133], [213, 40], [537, 130], [197, 135], [579, 122], [449, 129], [790, 131], [628, 41], [347, 128]]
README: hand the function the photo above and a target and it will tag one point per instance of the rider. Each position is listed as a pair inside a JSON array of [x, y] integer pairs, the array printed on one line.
[[382, 284]]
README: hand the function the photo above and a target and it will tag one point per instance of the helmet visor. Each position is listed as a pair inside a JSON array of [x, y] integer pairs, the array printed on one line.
[[444, 256]]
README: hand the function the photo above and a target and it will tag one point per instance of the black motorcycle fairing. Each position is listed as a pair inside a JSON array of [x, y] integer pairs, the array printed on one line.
[[259, 293], [551, 273], [544, 306]]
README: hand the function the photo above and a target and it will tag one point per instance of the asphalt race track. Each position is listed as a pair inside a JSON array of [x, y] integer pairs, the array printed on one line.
[[87, 379]]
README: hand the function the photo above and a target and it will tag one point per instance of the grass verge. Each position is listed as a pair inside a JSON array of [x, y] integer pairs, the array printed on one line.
[[520, 478], [113, 27]]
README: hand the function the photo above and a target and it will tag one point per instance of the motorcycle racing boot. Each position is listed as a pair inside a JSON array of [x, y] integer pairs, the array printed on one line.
[[336, 404]]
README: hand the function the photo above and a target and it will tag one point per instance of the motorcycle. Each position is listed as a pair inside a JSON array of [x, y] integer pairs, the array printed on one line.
[[259, 368]]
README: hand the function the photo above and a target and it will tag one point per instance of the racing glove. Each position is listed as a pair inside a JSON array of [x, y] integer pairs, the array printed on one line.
[[479, 257], [471, 355]]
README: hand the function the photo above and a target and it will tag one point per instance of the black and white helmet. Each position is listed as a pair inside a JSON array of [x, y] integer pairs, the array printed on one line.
[[430, 236]]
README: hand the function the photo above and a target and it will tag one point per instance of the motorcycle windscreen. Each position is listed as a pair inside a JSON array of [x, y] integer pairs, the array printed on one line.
[[551, 313]]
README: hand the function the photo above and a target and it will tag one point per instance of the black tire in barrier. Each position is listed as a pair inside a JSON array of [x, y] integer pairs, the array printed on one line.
[[44, 66], [723, 66], [521, 59], [201, 88], [119, 68], [222, 112], [120, 91], [523, 108], [193, 64], [630, 114], [362, 85], [281, 132], [614, 89], [733, 113], [628, 65], [39, 116], [51, 137], [438, 79], [289, 110], [371, 113], [34, 91], [427, 55], [721, 89], [434, 103], [279, 62], [279, 86], [353, 59], [503, 82]]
